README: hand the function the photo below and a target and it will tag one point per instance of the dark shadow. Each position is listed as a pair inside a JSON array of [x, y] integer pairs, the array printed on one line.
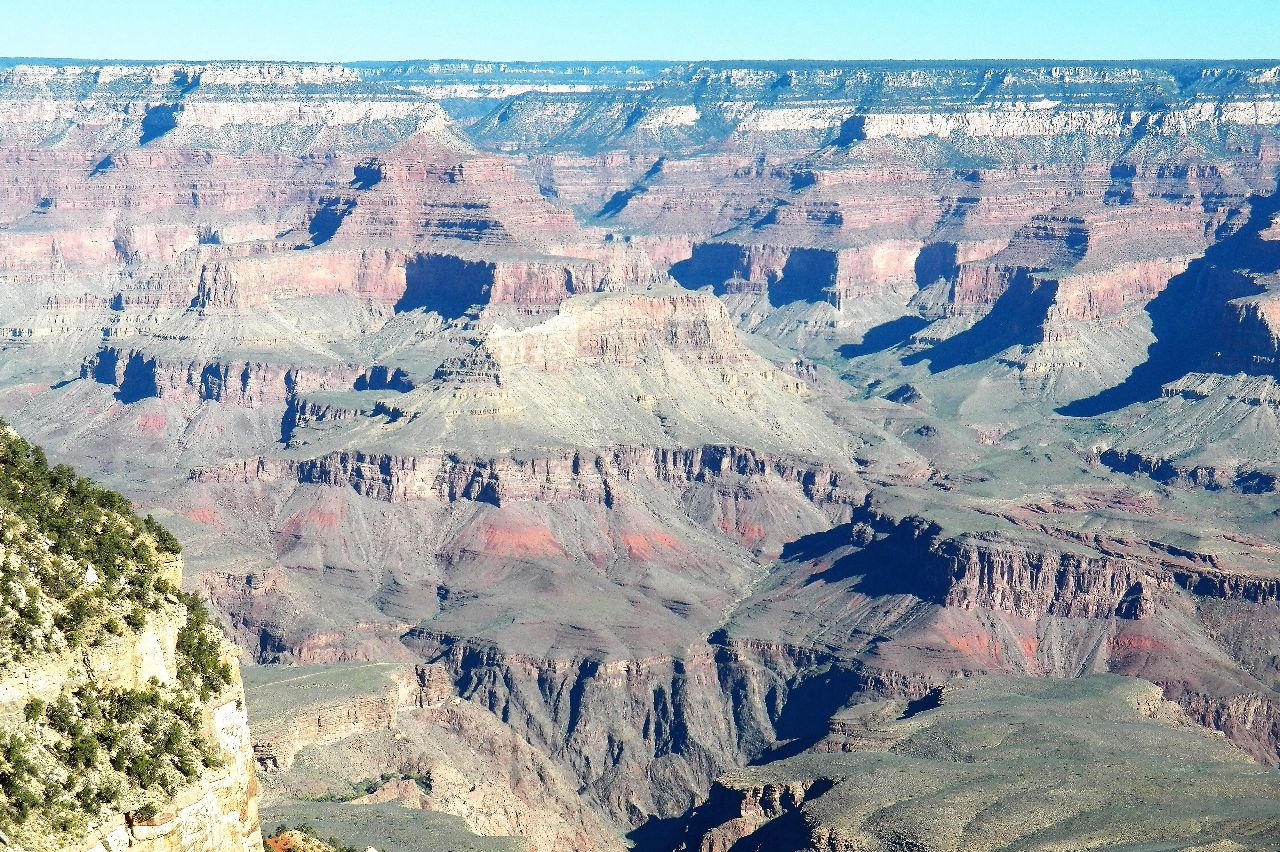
[[806, 277], [289, 419], [710, 263], [900, 561], [1188, 316], [618, 202], [1121, 189], [1075, 244], [816, 545], [884, 336], [852, 129], [158, 121], [379, 377], [1133, 604], [213, 382], [139, 380], [328, 218], [185, 81], [1165, 472], [448, 285], [929, 701], [770, 218], [787, 832], [102, 165], [803, 178], [907, 395], [1255, 482], [662, 834], [805, 718], [936, 260], [367, 174], [1015, 319], [104, 367]]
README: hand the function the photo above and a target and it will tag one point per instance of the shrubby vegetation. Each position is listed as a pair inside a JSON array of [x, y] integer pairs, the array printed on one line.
[[78, 567], [201, 668], [93, 749], [369, 786], [282, 839]]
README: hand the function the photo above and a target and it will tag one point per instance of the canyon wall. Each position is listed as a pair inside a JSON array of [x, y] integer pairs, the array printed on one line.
[[658, 413]]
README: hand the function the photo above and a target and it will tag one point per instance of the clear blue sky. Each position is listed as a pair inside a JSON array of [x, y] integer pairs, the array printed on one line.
[[321, 30]]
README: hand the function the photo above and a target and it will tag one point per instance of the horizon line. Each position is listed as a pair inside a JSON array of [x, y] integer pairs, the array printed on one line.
[[686, 61]]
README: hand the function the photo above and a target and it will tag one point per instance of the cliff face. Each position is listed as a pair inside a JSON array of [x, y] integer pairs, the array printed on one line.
[[657, 412], [368, 735], [123, 709]]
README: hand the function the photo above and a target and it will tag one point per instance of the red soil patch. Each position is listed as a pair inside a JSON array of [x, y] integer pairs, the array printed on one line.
[[314, 519], [640, 545], [155, 422], [976, 647], [747, 532], [323, 518], [204, 515], [1128, 643], [521, 540]]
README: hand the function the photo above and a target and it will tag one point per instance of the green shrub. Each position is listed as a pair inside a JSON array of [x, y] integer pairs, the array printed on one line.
[[77, 566]]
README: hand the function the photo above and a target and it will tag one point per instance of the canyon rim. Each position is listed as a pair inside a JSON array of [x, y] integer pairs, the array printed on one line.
[[590, 456]]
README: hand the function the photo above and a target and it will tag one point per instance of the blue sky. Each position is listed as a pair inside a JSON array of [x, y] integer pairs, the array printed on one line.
[[319, 30]]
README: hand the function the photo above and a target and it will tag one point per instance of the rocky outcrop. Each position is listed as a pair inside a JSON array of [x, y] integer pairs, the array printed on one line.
[[646, 736], [119, 700], [138, 374], [412, 326], [569, 476], [420, 747], [219, 812]]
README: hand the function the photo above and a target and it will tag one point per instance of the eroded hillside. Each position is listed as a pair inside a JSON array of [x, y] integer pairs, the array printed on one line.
[[644, 419]]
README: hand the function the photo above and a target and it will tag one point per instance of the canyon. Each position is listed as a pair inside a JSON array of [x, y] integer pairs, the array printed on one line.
[[679, 455]]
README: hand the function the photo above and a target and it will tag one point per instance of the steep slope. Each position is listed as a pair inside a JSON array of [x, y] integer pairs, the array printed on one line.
[[122, 707], [399, 351], [367, 735], [993, 763]]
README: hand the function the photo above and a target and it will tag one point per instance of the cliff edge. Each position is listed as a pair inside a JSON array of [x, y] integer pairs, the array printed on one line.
[[122, 720]]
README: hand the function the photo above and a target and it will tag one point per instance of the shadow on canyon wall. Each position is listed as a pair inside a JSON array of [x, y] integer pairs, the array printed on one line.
[[1015, 319], [884, 336], [450, 286], [1189, 317]]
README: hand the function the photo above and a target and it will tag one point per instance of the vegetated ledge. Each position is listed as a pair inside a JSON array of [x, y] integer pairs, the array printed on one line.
[[121, 711]]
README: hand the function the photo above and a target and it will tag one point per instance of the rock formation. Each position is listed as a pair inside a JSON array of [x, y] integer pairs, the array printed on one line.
[[990, 763], [123, 708], [636, 423]]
